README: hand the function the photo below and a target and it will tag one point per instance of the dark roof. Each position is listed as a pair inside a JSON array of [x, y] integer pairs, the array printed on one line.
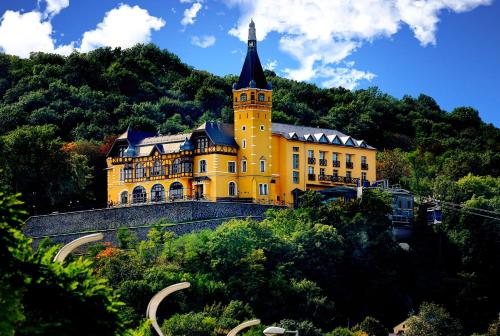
[[219, 133], [134, 136], [252, 75]]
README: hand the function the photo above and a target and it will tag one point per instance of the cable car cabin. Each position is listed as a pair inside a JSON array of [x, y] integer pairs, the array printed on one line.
[[434, 215]]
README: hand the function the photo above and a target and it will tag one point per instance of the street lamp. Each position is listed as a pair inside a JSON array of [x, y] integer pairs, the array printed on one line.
[[274, 331], [68, 248], [156, 300], [242, 326]]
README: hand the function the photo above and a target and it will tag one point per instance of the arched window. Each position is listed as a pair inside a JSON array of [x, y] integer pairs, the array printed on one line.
[[124, 197], [139, 195], [139, 171], [262, 165], [244, 165], [158, 193], [203, 166], [262, 127], [243, 97], [232, 189], [157, 169], [176, 191], [262, 97]]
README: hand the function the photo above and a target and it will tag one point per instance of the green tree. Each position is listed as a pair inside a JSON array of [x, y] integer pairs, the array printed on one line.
[[433, 320]]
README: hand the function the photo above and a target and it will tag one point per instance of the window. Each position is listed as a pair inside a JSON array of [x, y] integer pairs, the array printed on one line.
[[295, 162], [296, 177], [139, 195], [348, 174], [262, 166], [295, 149], [335, 173], [158, 193], [322, 155], [231, 167], [122, 174], [310, 153], [335, 157], [262, 97], [348, 158], [157, 168], [139, 171], [262, 127], [124, 197], [243, 128], [243, 143], [363, 160], [310, 170], [121, 151], [322, 171], [252, 96], [243, 97], [176, 191], [363, 176], [323, 139], [127, 173], [176, 166], [202, 166], [263, 189], [202, 143], [243, 166], [336, 141], [232, 189]]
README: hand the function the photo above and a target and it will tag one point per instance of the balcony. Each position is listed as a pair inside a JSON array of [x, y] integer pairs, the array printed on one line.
[[311, 177], [349, 165], [323, 162], [364, 166], [335, 179], [311, 160], [336, 163]]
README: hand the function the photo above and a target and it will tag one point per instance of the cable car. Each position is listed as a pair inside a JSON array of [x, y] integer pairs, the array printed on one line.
[[434, 215]]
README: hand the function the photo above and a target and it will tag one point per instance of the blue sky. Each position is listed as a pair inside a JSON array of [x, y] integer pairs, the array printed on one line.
[[449, 50]]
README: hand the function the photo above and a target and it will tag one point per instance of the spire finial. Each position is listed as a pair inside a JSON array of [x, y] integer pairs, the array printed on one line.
[[251, 33]]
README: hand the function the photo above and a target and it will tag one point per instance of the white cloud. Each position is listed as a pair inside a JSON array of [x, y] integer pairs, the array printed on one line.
[[203, 41], [346, 77], [321, 33], [271, 64], [123, 27], [22, 33], [190, 14], [54, 6]]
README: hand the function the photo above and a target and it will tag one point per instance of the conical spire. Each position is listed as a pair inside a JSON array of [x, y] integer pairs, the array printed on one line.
[[252, 75]]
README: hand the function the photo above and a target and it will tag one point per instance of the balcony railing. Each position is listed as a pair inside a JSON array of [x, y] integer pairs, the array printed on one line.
[[311, 160], [335, 179], [323, 162], [349, 164], [311, 177], [364, 166], [336, 163]]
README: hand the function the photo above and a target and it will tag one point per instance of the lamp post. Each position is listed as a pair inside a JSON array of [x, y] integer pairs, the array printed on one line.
[[156, 300], [68, 248], [274, 331], [242, 326]]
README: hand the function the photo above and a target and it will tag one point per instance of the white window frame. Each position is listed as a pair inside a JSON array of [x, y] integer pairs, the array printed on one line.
[[263, 189], [229, 165], [200, 165], [262, 165], [229, 189], [262, 128], [243, 166]]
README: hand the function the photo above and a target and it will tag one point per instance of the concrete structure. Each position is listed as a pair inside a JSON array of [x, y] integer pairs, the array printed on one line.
[[252, 160]]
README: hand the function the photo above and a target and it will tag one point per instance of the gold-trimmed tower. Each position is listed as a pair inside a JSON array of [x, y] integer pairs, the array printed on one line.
[[252, 104]]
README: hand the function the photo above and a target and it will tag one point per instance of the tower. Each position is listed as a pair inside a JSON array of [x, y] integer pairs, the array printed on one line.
[[252, 104]]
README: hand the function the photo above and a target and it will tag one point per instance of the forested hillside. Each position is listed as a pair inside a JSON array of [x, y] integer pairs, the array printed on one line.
[[59, 114]]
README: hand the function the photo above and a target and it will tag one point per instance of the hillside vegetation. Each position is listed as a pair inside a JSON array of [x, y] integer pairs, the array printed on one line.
[[58, 116]]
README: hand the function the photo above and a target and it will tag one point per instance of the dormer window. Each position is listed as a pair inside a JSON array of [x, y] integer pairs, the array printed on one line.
[[349, 142], [243, 97], [121, 151], [336, 141]]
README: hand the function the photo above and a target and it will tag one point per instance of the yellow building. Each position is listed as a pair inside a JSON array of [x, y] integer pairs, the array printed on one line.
[[253, 160]]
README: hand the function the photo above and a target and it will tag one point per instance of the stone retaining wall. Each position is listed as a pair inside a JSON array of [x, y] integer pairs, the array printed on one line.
[[184, 217]]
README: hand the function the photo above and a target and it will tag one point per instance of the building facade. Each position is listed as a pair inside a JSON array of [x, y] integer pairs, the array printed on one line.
[[252, 160]]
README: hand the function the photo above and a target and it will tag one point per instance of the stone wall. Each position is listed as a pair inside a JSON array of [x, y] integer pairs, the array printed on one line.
[[181, 217]]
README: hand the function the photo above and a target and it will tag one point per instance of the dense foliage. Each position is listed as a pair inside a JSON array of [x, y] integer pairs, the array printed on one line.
[[89, 98]]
